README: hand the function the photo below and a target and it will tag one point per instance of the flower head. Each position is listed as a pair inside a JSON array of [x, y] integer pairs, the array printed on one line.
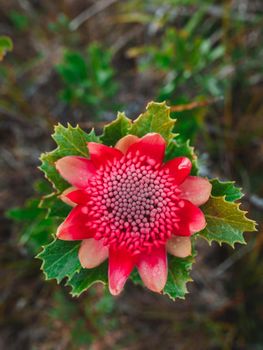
[[132, 208]]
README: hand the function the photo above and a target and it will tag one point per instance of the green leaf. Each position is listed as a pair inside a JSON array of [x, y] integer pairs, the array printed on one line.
[[226, 189], [182, 149], [85, 278], [155, 119], [60, 259], [226, 222], [178, 276], [114, 131], [6, 45], [55, 206], [71, 141]]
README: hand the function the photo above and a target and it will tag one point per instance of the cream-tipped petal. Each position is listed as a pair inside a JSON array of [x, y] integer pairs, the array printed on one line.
[[153, 269], [179, 246], [125, 142], [92, 253], [121, 264], [64, 196], [76, 170], [196, 189]]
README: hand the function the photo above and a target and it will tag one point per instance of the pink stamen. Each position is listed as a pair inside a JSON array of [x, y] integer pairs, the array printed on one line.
[[134, 203]]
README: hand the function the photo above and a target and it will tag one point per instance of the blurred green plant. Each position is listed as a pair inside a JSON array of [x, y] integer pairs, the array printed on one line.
[[85, 321], [61, 23], [6, 45], [19, 20], [89, 79], [34, 222], [189, 66]]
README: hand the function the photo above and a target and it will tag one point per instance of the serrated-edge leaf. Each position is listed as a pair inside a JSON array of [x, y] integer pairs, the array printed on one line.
[[155, 119], [53, 250], [115, 130], [79, 148], [227, 189], [54, 206], [176, 285], [86, 278], [223, 223]]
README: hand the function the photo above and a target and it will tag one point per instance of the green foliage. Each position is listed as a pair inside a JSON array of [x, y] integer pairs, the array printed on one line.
[[178, 276], [89, 78], [116, 130], [61, 23], [34, 223], [155, 119], [86, 278], [225, 222], [226, 189], [6, 45], [70, 141], [85, 320], [60, 259], [19, 20], [35, 227]]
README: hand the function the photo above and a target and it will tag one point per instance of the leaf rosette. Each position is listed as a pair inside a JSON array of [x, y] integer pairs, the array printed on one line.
[[136, 196]]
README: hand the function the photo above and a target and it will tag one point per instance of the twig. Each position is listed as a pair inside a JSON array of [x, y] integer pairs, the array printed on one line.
[[195, 104], [233, 259], [90, 12]]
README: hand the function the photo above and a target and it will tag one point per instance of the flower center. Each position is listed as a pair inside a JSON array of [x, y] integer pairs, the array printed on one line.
[[134, 204]]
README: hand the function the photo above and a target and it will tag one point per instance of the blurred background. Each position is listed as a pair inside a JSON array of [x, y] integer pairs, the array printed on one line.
[[80, 61]]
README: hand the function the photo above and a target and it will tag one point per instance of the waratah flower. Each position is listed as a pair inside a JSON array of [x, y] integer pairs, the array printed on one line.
[[132, 208]]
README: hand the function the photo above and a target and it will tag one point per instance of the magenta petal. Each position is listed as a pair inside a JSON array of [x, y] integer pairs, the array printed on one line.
[[75, 225], [179, 246], [191, 217], [121, 264], [101, 154], [92, 253], [196, 189], [151, 145], [179, 168], [76, 170], [153, 269]]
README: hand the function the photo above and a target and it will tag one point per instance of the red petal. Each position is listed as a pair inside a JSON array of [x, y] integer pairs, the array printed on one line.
[[196, 190], [64, 196], [153, 269], [152, 145], [92, 253], [74, 227], [191, 217], [76, 170], [121, 264], [75, 196], [179, 246], [179, 168], [124, 143], [100, 154]]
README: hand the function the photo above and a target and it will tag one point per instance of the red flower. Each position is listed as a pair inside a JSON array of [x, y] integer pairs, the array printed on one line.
[[132, 208]]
